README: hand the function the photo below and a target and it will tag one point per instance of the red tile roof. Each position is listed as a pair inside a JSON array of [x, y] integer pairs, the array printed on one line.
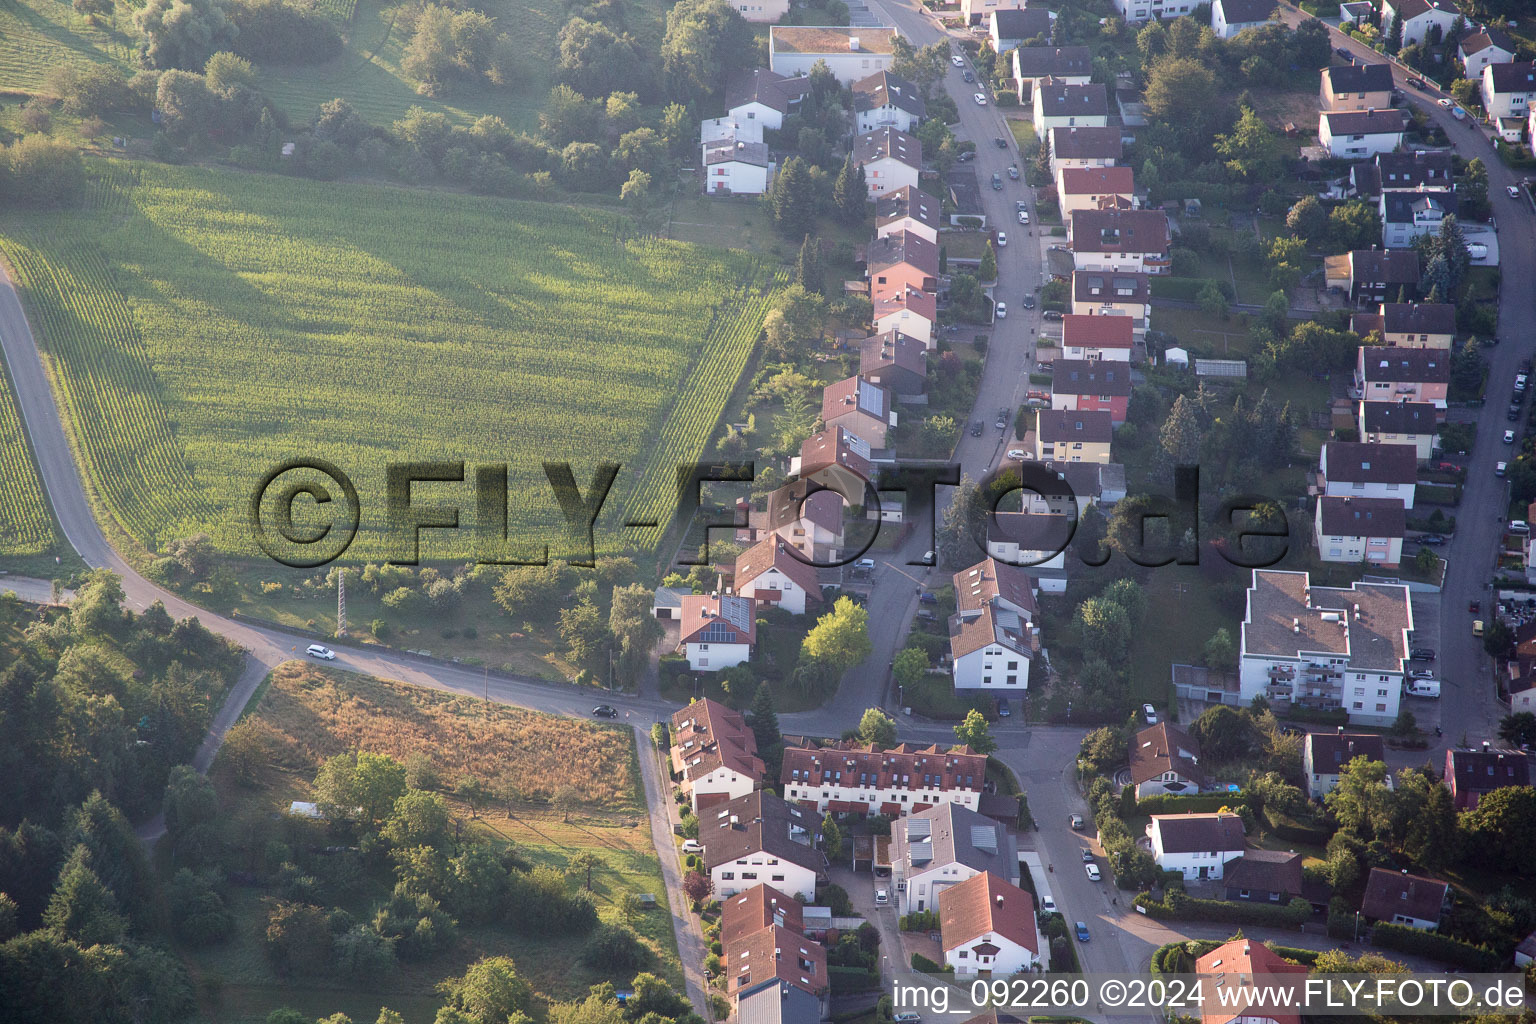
[[835, 447], [1096, 331], [706, 734], [855, 394], [1095, 181], [986, 905], [730, 620], [1164, 748], [759, 907], [774, 552], [924, 304], [892, 348], [906, 766], [990, 579], [775, 952], [1388, 893], [1247, 966], [1138, 231]]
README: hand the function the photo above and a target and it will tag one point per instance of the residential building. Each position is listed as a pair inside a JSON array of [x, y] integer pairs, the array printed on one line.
[[992, 635], [1509, 89], [773, 573], [909, 210], [1410, 324], [1076, 146], [1165, 759], [1403, 375], [1355, 86], [988, 925], [1264, 876], [805, 515], [884, 100], [1475, 772], [734, 158], [1060, 105], [1324, 755], [1406, 216], [1403, 172], [1400, 898], [1095, 188], [1357, 12], [1479, 49], [1097, 294], [1409, 423], [1010, 29], [836, 458], [761, 12], [1355, 530], [1418, 17], [895, 362], [850, 53], [1110, 337], [1256, 986], [901, 260], [764, 97], [847, 778], [1373, 276], [1070, 65], [1354, 134], [1135, 12], [976, 12], [891, 160], [1229, 17], [759, 907], [1116, 241], [913, 313], [1089, 483], [772, 957], [1324, 647], [1357, 469], [779, 1003], [944, 845], [1038, 541], [761, 838], [858, 405], [717, 631], [1197, 845], [1081, 385], [714, 754], [1073, 436]]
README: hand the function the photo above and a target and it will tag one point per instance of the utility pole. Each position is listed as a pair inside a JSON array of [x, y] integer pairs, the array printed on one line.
[[341, 602]]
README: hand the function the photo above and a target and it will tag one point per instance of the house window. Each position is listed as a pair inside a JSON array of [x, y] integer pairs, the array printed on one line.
[[778, 878], [727, 876], [749, 876]]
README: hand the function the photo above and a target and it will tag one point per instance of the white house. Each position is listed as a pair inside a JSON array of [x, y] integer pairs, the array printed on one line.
[[1229, 17], [734, 164], [910, 210], [1197, 845], [884, 100], [992, 635], [975, 12], [891, 159], [1409, 423], [1137, 11], [1358, 134], [912, 312], [1385, 374], [1325, 648], [1406, 216], [714, 754], [761, 12], [1072, 65], [764, 96], [943, 846], [1011, 29], [1418, 18], [1135, 241], [1397, 897], [1038, 542], [1509, 89], [1480, 49], [1357, 469], [1085, 147], [1165, 759], [717, 632], [771, 572], [1062, 105], [850, 53], [808, 519], [1355, 530], [1324, 755], [847, 778], [988, 925], [715, 130], [759, 838]]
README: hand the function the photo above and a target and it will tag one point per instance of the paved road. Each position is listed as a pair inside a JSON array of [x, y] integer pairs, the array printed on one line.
[[1468, 705]]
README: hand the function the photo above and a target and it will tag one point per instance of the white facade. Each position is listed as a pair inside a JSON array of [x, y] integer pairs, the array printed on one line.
[[1137, 11], [758, 113], [1473, 63], [737, 177], [1052, 578], [1225, 28], [1010, 957], [846, 63], [734, 877], [1045, 122], [1126, 262], [716, 656], [1516, 99], [907, 797], [761, 12], [722, 780], [909, 322], [994, 667], [1365, 489], [888, 174], [1416, 28], [776, 588], [1194, 864], [1355, 145], [1353, 550], [975, 11]]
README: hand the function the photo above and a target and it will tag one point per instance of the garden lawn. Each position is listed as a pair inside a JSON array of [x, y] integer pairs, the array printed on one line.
[[203, 327]]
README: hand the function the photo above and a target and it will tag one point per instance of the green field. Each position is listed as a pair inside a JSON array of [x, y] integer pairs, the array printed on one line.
[[37, 36], [203, 326], [26, 528]]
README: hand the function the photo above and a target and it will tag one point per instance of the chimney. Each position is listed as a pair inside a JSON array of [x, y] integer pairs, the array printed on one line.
[[853, 44]]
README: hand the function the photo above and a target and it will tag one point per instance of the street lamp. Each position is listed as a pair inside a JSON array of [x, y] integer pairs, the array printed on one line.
[[1357, 926]]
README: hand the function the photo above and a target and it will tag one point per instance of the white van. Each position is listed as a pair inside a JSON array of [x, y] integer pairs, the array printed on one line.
[[1519, 526], [323, 653], [1422, 688]]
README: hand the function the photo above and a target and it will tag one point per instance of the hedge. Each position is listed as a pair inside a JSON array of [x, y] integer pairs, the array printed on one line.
[[1435, 947], [926, 966], [1170, 959], [920, 921], [1171, 803], [1182, 907], [853, 979]]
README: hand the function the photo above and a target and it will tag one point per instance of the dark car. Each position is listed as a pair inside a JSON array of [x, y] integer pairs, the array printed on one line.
[[927, 598], [1474, 607], [1028, 302], [1418, 83], [976, 429], [1422, 654], [1000, 142], [1050, 314], [967, 76], [966, 156], [1513, 415], [1003, 711], [997, 181], [1344, 53], [1431, 540], [606, 711]]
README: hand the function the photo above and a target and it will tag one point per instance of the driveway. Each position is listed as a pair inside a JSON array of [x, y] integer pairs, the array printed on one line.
[[861, 888]]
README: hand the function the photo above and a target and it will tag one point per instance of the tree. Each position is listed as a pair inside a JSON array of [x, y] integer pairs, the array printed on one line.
[[706, 41], [595, 61], [1362, 803], [82, 908], [1498, 639], [1181, 434], [1308, 219], [634, 630], [1220, 651], [419, 818], [963, 526], [1518, 728], [831, 837], [585, 634], [614, 949], [1501, 829], [1432, 839], [1105, 629], [1103, 750], [696, 886], [765, 719], [1212, 301], [973, 732], [792, 198], [191, 808], [988, 269], [359, 783], [182, 33], [840, 639], [878, 728], [490, 992], [1352, 225], [1179, 92], [1225, 734], [581, 865], [850, 193], [808, 273], [1252, 151]]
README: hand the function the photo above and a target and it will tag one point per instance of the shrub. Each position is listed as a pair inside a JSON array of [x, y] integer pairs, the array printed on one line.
[[920, 921], [273, 32], [1179, 906], [926, 966], [614, 949], [1435, 947]]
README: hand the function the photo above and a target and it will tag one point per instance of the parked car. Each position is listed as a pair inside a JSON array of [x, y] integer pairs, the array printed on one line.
[[1509, 437], [1444, 102], [927, 598], [1514, 191], [1477, 627], [1422, 654], [1093, 872], [1082, 932], [323, 653], [606, 711], [1150, 712], [997, 181], [1023, 216], [1016, 454], [976, 429], [1050, 314], [1087, 855], [926, 615], [1417, 83], [1013, 172], [692, 846], [1002, 310], [907, 1018], [1474, 607], [1520, 381], [1076, 821], [1003, 711], [882, 897], [1028, 302], [956, 60], [1000, 142], [1499, 468], [1422, 673], [1458, 113], [980, 98], [1431, 540], [1002, 239], [1344, 53], [1513, 415], [967, 76], [1002, 419], [966, 156]]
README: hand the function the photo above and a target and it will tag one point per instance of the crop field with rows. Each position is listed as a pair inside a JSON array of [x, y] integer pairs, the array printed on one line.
[[203, 327], [37, 36], [25, 526]]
